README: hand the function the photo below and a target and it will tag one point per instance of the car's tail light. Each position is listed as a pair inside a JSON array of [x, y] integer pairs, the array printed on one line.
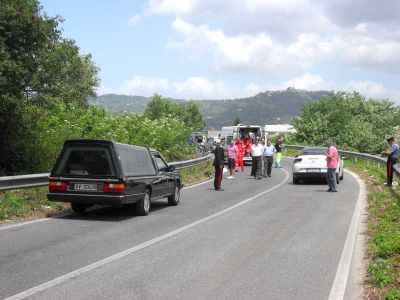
[[58, 186], [297, 160], [113, 187]]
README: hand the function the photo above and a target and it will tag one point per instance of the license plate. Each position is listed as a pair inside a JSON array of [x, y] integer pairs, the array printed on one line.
[[85, 187], [314, 170]]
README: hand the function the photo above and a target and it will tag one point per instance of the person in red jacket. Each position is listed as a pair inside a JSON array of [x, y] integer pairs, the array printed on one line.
[[247, 143], [239, 157]]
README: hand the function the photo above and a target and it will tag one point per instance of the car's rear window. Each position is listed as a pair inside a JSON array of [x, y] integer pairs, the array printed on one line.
[[86, 161], [317, 151]]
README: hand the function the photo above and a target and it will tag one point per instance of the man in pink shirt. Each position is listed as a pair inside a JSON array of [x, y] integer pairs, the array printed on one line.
[[332, 159]]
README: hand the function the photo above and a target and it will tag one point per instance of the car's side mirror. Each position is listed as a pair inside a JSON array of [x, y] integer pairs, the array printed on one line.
[[343, 157], [171, 168]]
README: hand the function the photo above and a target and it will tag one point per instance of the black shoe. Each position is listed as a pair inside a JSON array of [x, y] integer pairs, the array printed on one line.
[[329, 190], [269, 175], [219, 190], [265, 176], [335, 191], [259, 178]]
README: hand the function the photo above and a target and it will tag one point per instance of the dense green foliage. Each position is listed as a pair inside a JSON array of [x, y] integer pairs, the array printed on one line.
[[159, 107], [70, 121], [37, 68], [353, 122]]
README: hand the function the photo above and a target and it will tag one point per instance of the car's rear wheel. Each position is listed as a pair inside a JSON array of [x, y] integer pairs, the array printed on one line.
[[295, 180], [143, 206], [78, 208], [173, 200], [341, 177], [337, 178]]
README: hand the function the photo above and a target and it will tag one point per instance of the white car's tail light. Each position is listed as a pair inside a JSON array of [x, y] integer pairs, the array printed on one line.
[[297, 160]]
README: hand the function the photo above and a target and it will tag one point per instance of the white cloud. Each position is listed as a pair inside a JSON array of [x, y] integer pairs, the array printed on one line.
[[282, 35], [135, 20], [310, 82], [250, 53], [169, 7], [191, 88], [372, 89]]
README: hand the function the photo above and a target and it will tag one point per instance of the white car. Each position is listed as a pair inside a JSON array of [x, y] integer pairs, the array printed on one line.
[[311, 163]]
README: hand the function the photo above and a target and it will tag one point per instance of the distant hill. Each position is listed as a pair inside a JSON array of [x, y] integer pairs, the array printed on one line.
[[271, 107]]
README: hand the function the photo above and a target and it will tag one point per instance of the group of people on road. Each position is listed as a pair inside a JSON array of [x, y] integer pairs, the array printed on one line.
[[262, 158]]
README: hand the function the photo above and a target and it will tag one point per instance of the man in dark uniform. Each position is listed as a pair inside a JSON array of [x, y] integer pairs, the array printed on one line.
[[218, 165], [392, 155]]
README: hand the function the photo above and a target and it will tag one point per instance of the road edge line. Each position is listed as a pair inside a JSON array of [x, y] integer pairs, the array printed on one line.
[[342, 274]]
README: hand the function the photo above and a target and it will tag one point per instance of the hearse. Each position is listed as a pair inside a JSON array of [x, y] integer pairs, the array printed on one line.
[[89, 172]]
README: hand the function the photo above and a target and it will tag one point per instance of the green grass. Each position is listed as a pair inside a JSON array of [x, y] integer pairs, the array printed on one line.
[[383, 246], [197, 173], [23, 203]]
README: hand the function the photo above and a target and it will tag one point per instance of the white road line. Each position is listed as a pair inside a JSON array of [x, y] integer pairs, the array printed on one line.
[[5, 227], [76, 273], [340, 282], [23, 223]]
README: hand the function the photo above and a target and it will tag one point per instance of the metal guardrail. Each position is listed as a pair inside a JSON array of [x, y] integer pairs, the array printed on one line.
[[368, 157], [34, 180]]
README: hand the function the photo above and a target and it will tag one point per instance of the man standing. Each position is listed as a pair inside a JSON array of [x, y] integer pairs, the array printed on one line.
[[392, 154], [232, 155], [268, 153], [278, 153], [218, 165], [256, 153], [332, 159], [239, 158]]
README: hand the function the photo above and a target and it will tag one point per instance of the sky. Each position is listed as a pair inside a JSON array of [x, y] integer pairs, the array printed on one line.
[[220, 49]]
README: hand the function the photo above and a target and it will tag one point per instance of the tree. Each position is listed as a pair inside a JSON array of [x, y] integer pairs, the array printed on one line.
[[237, 121], [37, 68], [352, 121], [189, 112]]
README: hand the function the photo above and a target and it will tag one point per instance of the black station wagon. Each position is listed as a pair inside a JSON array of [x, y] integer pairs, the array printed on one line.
[[89, 172]]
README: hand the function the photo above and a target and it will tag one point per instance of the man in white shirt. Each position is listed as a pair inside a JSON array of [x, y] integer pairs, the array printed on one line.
[[268, 153], [257, 150]]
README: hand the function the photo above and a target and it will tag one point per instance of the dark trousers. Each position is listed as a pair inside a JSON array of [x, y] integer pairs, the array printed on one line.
[[218, 177], [331, 179], [389, 170], [268, 161], [256, 166]]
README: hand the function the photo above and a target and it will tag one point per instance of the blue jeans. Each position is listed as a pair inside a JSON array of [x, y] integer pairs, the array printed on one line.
[[331, 178]]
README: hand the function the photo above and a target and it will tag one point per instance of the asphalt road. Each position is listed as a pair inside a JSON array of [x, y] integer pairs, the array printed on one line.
[[257, 239]]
